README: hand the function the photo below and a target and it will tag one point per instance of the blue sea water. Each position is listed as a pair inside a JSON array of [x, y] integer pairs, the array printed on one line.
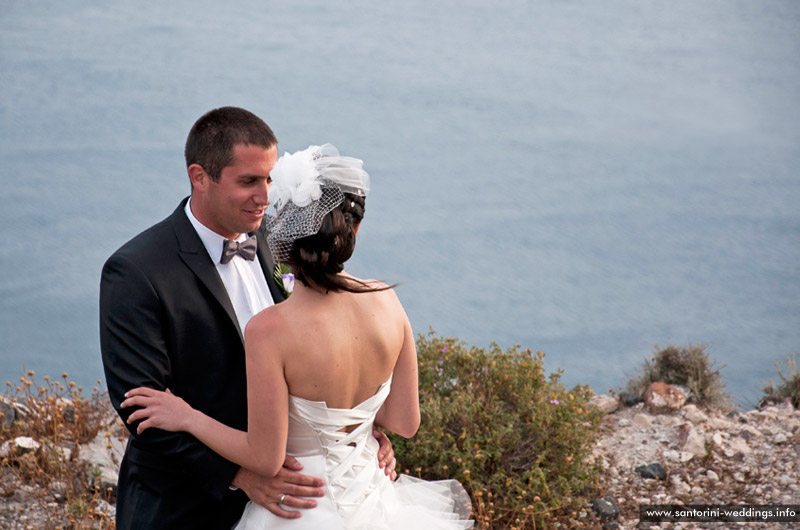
[[589, 179]]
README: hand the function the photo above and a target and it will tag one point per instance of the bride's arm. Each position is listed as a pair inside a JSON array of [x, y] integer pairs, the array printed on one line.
[[263, 447], [400, 412]]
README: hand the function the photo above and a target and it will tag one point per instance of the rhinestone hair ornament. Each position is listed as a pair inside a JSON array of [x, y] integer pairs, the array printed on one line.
[[306, 186]]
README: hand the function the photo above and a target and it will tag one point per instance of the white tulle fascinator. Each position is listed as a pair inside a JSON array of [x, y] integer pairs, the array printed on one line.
[[306, 186]]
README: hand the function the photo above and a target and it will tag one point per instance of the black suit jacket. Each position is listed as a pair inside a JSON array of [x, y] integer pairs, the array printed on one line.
[[166, 321]]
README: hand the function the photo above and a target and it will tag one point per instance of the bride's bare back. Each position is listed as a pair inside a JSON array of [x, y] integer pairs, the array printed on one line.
[[338, 348]]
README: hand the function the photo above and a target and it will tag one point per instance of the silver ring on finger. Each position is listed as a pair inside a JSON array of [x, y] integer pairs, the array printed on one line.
[[282, 497]]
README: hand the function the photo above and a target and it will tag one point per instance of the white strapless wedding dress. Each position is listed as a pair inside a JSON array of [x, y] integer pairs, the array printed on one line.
[[358, 495]]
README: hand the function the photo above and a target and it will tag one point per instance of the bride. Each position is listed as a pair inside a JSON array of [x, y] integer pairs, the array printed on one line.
[[323, 368]]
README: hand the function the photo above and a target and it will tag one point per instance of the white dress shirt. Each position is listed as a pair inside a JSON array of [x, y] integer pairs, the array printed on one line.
[[243, 279]]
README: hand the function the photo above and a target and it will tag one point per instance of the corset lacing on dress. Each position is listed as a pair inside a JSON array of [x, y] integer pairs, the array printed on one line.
[[350, 457]]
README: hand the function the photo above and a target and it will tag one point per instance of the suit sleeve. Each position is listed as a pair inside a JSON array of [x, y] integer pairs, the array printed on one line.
[[133, 324]]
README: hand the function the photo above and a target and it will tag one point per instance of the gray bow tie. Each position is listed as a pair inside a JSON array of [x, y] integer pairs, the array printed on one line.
[[246, 249]]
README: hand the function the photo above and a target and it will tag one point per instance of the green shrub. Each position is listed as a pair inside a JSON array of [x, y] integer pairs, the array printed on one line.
[[687, 366], [517, 439], [790, 383]]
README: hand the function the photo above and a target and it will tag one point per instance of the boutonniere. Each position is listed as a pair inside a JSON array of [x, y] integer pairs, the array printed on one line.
[[284, 278]]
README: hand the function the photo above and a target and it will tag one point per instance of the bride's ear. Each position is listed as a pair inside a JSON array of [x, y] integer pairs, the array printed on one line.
[[198, 177], [355, 229]]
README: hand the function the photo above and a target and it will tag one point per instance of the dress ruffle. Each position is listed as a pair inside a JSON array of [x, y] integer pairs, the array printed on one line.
[[407, 504], [337, 444]]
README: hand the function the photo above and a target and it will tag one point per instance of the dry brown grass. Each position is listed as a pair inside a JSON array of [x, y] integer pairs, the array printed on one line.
[[58, 418]]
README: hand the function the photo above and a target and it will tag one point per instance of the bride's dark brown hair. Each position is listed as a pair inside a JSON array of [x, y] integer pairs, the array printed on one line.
[[317, 260]]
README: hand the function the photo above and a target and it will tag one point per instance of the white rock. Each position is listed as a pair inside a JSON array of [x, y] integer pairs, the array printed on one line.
[[605, 403], [623, 463], [752, 431], [712, 475], [106, 508], [64, 402], [771, 413], [751, 416], [693, 414], [64, 453], [105, 453], [768, 430], [739, 445], [643, 420], [717, 439], [26, 444], [59, 490], [670, 420], [780, 439], [672, 455], [720, 423], [695, 444], [13, 408], [680, 487]]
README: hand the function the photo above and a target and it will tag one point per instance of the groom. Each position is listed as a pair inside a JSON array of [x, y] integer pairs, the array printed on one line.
[[174, 302]]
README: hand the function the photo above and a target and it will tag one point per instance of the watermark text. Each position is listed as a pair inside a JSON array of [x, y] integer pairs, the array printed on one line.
[[720, 513]]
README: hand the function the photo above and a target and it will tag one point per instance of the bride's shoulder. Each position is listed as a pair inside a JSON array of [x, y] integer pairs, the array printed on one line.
[[385, 297], [266, 322]]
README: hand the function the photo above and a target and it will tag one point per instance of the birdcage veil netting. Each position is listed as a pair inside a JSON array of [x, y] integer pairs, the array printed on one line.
[[306, 186]]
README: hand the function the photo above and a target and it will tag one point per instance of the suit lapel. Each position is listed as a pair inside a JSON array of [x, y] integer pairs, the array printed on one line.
[[195, 256]]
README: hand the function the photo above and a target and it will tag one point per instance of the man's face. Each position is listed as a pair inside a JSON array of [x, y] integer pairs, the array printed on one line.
[[236, 203]]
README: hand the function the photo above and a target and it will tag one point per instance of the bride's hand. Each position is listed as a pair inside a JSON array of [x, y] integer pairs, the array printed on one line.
[[163, 410], [386, 459]]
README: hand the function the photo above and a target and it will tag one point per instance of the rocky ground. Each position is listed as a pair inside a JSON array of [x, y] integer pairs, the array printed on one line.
[[25, 505], [697, 457], [702, 457]]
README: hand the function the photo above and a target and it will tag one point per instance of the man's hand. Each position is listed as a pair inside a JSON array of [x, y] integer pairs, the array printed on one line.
[[385, 454], [281, 491]]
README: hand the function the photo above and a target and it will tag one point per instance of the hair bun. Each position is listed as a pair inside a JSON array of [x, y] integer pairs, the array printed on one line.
[[318, 259]]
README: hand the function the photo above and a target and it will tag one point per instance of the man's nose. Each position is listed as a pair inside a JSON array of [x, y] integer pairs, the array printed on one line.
[[262, 195]]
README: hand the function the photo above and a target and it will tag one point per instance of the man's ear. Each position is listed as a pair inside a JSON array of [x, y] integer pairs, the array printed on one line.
[[198, 177]]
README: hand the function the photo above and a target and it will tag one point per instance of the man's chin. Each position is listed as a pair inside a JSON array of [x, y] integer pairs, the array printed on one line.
[[253, 226]]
